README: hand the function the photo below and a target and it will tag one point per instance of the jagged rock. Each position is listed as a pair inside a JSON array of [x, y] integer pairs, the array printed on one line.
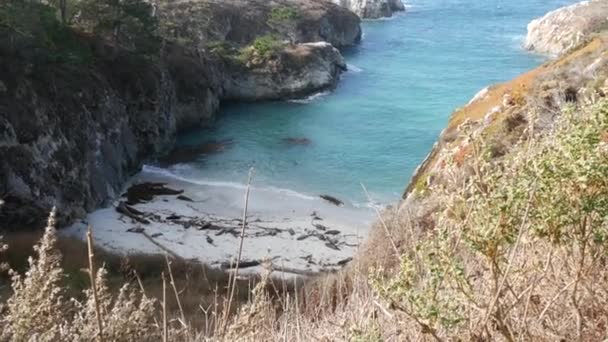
[[372, 9], [565, 28]]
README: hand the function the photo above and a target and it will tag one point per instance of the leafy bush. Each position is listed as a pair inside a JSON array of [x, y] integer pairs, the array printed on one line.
[[282, 14], [266, 46]]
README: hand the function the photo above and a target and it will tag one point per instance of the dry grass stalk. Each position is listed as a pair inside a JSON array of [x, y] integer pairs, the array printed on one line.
[[389, 236], [183, 320], [240, 251], [92, 277], [164, 307]]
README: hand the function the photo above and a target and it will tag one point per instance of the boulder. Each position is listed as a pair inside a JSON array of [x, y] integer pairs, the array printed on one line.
[[296, 71]]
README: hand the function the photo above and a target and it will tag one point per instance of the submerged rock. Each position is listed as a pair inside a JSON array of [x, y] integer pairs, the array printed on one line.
[[183, 154], [145, 192], [297, 141], [372, 9], [567, 27]]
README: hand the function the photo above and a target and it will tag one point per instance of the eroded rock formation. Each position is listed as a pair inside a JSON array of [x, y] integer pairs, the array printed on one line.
[[565, 28], [372, 9]]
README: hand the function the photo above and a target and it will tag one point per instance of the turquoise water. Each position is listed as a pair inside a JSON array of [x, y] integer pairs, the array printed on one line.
[[406, 77]]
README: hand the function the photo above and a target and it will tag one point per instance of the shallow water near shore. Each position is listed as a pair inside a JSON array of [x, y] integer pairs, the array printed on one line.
[[404, 79]]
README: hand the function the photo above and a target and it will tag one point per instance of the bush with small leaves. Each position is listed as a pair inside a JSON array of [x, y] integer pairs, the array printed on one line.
[[480, 270]]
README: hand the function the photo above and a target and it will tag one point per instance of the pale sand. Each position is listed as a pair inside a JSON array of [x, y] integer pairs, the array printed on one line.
[[284, 213]]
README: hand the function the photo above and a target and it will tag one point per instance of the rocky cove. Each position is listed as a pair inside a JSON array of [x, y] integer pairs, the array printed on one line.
[[97, 125], [73, 144], [501, 234]]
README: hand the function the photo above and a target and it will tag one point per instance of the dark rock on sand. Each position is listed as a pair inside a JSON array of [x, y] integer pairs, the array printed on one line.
[[145, 192], [332, 200], [136, 230], [185, 198], [319, 226], [344, 261], [129, 211]]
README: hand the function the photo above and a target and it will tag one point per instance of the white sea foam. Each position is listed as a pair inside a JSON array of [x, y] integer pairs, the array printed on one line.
[[311, 98], [154, 170], [353, 68]]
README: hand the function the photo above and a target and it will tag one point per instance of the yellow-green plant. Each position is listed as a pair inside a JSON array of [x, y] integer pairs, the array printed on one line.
[[486, 267]]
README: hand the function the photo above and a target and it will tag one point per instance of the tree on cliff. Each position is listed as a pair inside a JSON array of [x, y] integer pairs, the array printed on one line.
[[127, 23]]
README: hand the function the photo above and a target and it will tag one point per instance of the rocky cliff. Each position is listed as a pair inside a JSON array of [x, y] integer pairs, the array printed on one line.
[[566, 27], [240, 22], [73, 130], [72, 135], [286, 65], [372, 9], [295, 71]]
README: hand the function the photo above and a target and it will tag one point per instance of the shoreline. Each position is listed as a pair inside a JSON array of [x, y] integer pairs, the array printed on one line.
[[307, 235]]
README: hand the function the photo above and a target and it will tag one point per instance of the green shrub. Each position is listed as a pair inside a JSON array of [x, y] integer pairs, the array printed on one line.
[[480, 270], [282, 14], [267, 46]]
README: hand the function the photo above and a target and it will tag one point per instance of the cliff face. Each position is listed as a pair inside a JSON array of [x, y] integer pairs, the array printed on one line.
[[71, 134], [563, 29], [372, 9], [293, 67], [241, 21]]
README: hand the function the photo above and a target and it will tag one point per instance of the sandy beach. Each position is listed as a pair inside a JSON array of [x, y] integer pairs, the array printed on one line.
[[297, 232]]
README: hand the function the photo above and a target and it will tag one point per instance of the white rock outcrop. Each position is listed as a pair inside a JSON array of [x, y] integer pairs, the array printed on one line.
[[565, 28], [297, 71], [372, 9]]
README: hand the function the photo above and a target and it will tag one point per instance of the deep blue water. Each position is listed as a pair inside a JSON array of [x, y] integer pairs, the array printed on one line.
[[407, 76]]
